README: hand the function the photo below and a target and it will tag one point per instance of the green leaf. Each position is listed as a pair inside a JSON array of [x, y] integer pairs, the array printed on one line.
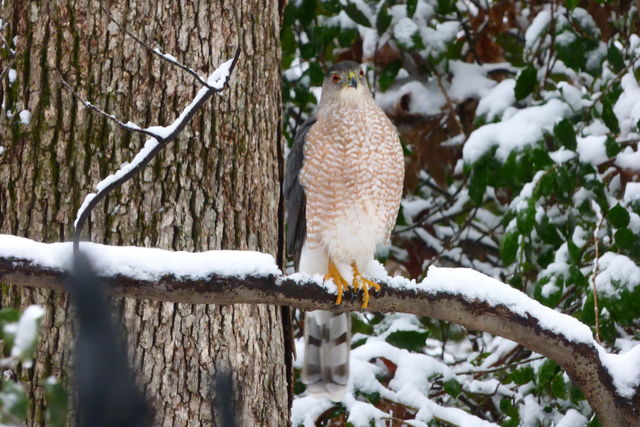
[[316, 74], [9, 315], [564, 132], [13, 400], [371, 397], [411, 340], [608, 116], [360, 326], [618, 216], [571, 4], [509, 248], [525, 219], [57, 403], [548, 232], [526, 82], [412, 5], [612, 146], [478, 184], [388, 75], [357, 15], [546, 372], [306, 12], [624, 238], [452, 387], [574, 54], [558, 387], [615, 58], [383, 20], [445, 7], [574, 253], [522, 375]]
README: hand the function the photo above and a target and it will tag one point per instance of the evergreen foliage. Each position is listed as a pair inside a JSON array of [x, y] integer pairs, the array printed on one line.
[[520, 121]]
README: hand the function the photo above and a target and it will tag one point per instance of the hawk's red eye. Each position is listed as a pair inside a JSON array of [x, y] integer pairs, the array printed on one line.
[[335, 78]]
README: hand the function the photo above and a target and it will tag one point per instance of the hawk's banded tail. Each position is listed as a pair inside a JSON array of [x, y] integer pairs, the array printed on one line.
[[325, 369]]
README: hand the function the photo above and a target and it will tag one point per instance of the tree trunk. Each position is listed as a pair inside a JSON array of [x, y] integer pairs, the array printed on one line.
[[216, 187]]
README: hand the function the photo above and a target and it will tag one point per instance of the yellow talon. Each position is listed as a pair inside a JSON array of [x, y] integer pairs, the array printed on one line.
[[360, 282], [341, 284]]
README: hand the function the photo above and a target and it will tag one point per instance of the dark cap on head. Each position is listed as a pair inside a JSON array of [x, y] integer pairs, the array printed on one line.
[[343, 66]]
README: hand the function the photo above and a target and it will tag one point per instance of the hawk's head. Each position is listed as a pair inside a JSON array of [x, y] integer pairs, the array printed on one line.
[[346, 82]]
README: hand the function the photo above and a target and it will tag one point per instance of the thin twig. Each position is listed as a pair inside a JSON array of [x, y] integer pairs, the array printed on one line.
[[499, 368], [157, 52], [7, 68], [126, 126], [596, 268], [179, 125]]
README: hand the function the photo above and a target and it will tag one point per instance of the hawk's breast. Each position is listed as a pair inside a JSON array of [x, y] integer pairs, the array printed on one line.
[[352, 174]]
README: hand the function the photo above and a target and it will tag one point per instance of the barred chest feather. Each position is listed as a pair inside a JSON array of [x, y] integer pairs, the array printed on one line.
[[352, 174]]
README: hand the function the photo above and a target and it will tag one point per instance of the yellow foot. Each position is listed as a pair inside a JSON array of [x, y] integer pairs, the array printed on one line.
[[360, 282], [341, 284]]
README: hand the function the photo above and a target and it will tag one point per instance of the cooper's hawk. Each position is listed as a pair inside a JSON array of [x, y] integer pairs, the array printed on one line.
[[343, 185]]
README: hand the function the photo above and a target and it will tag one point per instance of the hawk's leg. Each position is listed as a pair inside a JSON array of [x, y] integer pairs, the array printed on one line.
[[360, 281], [341, 284]]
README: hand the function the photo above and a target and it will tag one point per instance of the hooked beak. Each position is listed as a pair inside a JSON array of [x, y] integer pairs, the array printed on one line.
[[353, 80]]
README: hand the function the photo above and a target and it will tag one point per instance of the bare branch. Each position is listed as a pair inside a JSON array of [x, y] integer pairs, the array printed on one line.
[[126, 126], [170, 59], [216, 83], [476, 310]]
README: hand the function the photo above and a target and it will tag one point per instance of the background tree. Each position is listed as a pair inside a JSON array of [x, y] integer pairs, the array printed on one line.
[[217, 187], [520, 124]]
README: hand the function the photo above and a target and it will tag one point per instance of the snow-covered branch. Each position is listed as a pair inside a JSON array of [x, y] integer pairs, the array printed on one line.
[[160, 136], [610, 382]]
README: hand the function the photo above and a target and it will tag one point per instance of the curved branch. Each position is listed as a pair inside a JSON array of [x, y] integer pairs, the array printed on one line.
[[161, 137], [457, 295]]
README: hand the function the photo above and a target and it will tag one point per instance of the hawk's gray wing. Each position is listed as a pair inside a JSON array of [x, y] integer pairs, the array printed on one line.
[[294, 196]]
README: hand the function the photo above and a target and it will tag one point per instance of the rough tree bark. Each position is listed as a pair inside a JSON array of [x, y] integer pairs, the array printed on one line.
[[217, 187]]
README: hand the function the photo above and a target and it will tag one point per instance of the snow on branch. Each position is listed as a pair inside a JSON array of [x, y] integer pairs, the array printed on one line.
[[611, 382], [160, 136]]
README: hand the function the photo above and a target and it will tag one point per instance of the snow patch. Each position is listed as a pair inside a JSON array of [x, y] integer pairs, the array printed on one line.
[[592, 149], [149, 264], [524, 128], [25, 117]]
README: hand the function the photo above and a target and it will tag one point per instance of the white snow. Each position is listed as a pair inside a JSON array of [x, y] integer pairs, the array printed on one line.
[[25, 117], [591, 149], [523, 128], [1, 150], [149, 145], [572, 418], [142, 263], [628, 159], [167, 56], [616, 268], [26, 332], [436, 39], [627, 107], [476, 286], [624, 368], [13, 75], [631, 192], [536, 28], [497, 100], [404, 31], [469, 81], [88, 198], [562, 155], [409, 386], [425, 99]]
